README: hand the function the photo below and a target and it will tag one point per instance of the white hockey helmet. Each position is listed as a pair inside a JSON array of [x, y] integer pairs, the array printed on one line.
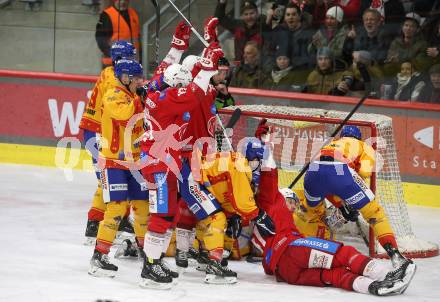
[[190, 61], [176, 74]]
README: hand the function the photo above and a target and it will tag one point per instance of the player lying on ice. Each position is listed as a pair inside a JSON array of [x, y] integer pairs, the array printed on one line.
[[311, 261]]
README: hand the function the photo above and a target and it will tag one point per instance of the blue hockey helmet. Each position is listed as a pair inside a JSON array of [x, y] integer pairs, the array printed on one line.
[[122, 50], [351, 131], [129, 67]]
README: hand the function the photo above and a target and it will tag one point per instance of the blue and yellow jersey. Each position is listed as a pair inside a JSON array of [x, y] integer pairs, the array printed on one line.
[[91, 119], [118, 108], [356, 153]]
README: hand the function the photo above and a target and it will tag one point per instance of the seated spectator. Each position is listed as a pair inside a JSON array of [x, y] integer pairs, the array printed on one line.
[[368, 76], [249, 74], [283, 76], [392, 12], [325, 79], [332, 34], [221, 82], [244, 30], [409, 46], [431, 92], [433, 50], [408, 84], [371, 37], [320, 7]]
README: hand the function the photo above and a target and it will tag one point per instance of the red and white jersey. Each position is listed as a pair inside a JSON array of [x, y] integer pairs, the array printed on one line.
[[202, 122], [166, 113], [272, 201]]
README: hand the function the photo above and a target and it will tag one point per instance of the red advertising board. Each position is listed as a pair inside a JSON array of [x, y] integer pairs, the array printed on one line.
[[46, 109]]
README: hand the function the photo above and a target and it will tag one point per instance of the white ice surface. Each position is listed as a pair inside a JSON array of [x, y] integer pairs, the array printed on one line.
[[42, 258]]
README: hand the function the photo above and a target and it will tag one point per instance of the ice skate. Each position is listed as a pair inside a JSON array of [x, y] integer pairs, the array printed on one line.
[[181, 258], [100, 266], [127, 249], [202, 260], [218, 274], [404, 273], [167, 269], [91, 232], [396, 257], [154, 277]]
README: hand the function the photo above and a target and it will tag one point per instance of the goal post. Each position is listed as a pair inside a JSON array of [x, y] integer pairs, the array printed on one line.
[[299, 133]]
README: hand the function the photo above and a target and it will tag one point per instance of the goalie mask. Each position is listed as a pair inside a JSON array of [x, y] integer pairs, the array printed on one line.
[[177, 75]]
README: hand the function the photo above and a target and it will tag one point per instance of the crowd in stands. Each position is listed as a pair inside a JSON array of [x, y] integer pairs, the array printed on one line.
[[388, 48]]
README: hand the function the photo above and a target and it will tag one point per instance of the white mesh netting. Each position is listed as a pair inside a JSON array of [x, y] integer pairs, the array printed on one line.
[[299, 139]]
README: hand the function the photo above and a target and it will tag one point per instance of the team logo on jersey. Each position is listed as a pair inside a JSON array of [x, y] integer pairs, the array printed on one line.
[[211, 125], [186, 116], [150, 103], [355, 198], [118, 187]]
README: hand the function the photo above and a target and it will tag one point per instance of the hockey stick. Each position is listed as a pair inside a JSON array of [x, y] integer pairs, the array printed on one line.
[[189, 23], [157, 9], [336, 131], [231, 123]]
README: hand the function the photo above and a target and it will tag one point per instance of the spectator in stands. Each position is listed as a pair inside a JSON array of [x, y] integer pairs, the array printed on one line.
[[431, 92], [117, 22], [283, 76], [433, 50], [409, 46], [325, 79], [350, 8], [392, 11], [368, 76], [371, 37], [408, 83], [244, 30], [92, 4], [332, 34], [249, 74], [221, 82]]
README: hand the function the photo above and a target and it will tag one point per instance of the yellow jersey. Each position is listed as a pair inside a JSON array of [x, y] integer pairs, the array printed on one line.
[[91, 119], [357, 154]]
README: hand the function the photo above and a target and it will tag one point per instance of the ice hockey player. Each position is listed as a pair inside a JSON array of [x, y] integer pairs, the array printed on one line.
[[311, 261], [340, 171], [91, 125], [120, 108], [166, 112]]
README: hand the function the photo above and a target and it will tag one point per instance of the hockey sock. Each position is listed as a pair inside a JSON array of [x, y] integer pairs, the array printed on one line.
[[183, 239], [376, 270], [361, 284], [167, 240], [153, 245]]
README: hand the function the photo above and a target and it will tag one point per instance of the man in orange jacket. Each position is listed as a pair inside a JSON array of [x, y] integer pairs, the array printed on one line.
[[117, 22]]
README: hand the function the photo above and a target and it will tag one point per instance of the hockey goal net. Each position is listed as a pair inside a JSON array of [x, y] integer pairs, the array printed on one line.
[[301, 132]]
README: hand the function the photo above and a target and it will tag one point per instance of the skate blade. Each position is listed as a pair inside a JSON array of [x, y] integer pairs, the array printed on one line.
[[214, 279], [150, 284], [89, 241], [98, 272]]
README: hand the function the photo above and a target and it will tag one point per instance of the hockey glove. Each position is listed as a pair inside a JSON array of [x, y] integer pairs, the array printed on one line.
[[233, 229], [181, 36], [349, 213], [262, 129], [264, 224], [209, 29]]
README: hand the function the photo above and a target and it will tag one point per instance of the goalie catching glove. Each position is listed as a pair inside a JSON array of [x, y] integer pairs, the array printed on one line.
[[264, 224]]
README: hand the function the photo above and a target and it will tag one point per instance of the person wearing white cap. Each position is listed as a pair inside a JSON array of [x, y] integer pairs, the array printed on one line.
[[332, 34], [409, 46]]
